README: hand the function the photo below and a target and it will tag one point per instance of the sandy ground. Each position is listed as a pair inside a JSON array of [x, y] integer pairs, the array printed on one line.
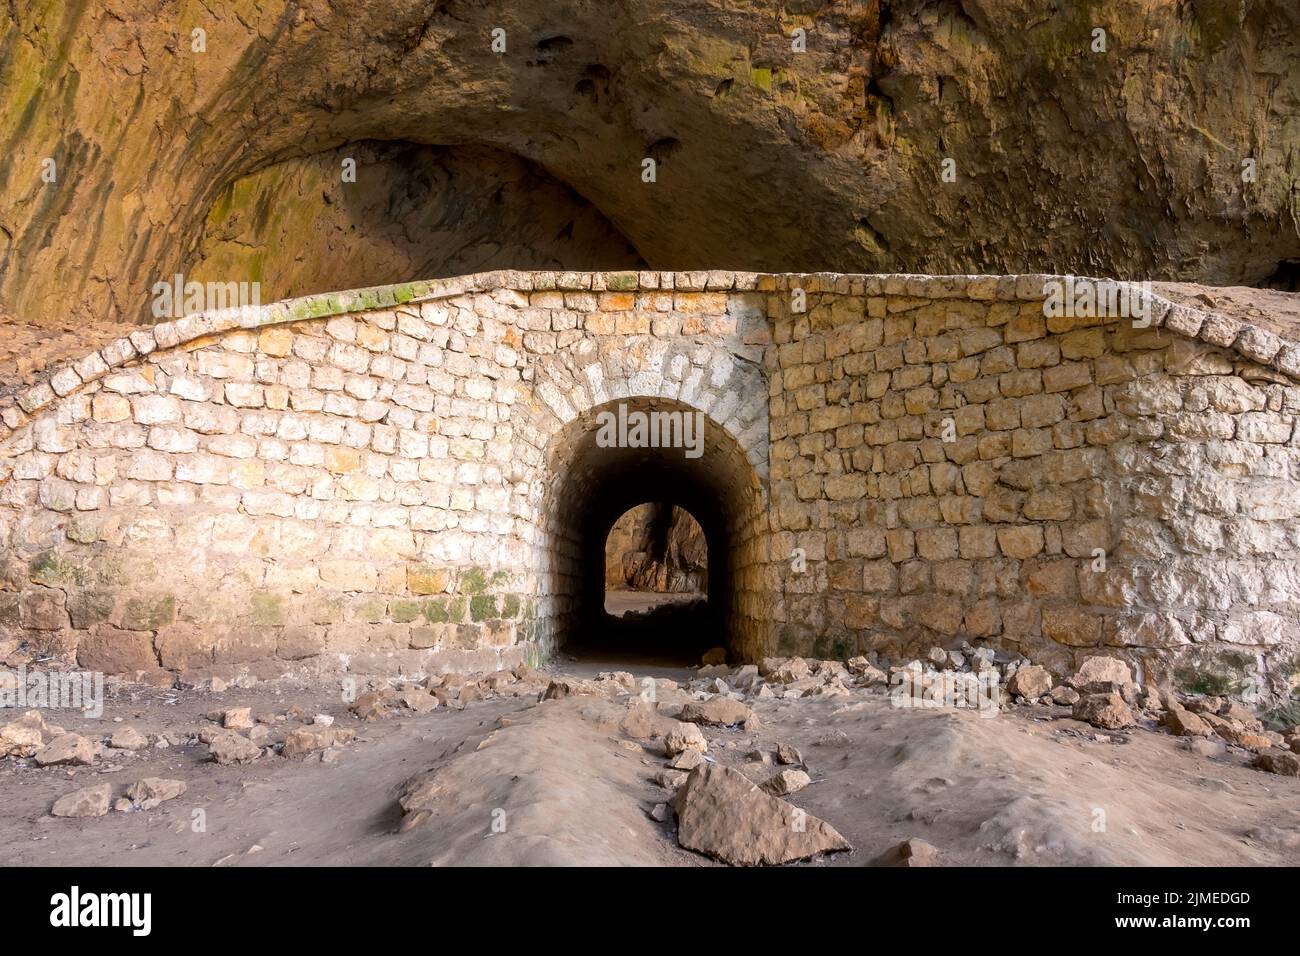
[[618, 603], [523, 783]]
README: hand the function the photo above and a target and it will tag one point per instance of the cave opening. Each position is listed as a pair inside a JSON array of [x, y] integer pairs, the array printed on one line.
[[656, 572], [703, 501]]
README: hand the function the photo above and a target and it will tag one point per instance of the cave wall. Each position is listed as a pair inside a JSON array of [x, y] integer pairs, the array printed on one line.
[[1124, 163]]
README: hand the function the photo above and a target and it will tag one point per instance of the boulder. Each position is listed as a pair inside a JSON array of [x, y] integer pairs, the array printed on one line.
[[644, 722], [716, 655], [306, 740], [1278, 761], [1030, 681], [418, 700], [721, 813], [87, 802], [683, 736], [1101, 670], [151, 791], [25, 735], [1107, 711], [72, 749], [718, 712], [229, 747], [237, 718], [1184, 723], [128, 738], [1064, 696]]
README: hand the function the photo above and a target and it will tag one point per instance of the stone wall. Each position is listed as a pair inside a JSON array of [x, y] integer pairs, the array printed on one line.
[[407, 478], [955, 465]]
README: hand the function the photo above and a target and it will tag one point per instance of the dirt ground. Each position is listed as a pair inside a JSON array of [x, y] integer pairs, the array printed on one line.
[[526, 783]]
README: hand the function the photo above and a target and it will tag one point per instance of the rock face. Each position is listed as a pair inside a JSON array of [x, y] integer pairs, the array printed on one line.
[[657, 547], [721, 813], [837, 150]]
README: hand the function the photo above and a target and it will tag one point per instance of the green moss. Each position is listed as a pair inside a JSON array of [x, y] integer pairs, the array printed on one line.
[[473, 581], [404, 612], [828, 648], [53, 570], [621, 281], [762, 78], [482, 607], [510, 606], [1218, 674], [443, 610]]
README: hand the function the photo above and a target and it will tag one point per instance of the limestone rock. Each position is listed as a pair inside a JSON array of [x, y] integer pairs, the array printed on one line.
[[719, 712], [788, 754], [684, 736], [128, 738], [305, 740], [787, 782], [151, 791], [1064, 696], [1278, 761], [909, 853], [237, 718], [87, 802], [375, 705], [670, 779], [229, 747], [644, 722], [687, 760], [71, 749], [1108, 711], [1101, 670], [720, 812], [1030, 681], [716, 655], [25, 735], [418, 700], [1184, 723]]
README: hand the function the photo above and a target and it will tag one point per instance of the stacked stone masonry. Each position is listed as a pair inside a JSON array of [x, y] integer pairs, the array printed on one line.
[[396, 479]]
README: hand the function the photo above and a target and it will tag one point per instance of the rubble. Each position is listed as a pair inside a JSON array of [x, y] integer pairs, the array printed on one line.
[[719, 712]]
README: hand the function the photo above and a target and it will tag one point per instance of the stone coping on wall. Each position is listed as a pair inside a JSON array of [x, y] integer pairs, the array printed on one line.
[[1212, 327]]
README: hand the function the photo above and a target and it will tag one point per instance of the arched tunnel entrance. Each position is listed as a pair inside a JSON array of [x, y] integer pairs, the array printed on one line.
[[626, 453]]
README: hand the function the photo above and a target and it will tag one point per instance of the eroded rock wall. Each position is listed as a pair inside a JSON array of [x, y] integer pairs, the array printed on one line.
[[1127, 162]]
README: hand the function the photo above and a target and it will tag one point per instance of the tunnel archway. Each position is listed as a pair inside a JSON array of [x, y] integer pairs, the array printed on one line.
[[592, 483]]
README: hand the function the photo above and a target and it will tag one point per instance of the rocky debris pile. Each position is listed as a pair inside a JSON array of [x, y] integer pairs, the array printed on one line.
[[452, 691]]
